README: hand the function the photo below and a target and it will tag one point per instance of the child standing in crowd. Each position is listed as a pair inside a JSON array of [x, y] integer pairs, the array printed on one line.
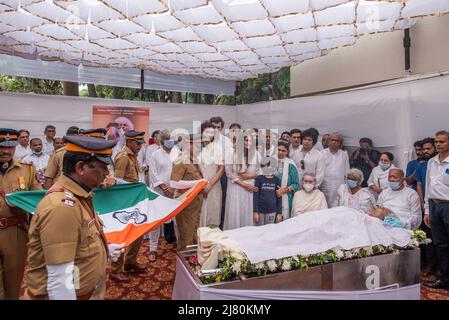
[[267, 205]]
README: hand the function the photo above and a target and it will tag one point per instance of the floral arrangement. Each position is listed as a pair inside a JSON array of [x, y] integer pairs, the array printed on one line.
[[230, 268]]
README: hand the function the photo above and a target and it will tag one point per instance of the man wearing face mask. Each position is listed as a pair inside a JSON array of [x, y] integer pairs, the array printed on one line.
[[159, 170], [38, 159], [184, 175], [401, 201], [15, 175]]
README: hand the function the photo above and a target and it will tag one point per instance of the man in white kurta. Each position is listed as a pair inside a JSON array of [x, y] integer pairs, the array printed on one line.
[[403, 202], [336, 167], [159, 170]]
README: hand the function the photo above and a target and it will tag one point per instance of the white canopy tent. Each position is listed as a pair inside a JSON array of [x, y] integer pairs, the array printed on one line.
[[219, 39]]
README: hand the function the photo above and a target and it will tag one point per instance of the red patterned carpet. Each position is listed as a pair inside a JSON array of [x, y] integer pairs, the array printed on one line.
[[157, 283]]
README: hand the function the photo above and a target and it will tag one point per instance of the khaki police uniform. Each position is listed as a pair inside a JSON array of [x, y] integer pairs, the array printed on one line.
[[13, 228], [126, 168], [65, 228], [188, 220], [54, 166]]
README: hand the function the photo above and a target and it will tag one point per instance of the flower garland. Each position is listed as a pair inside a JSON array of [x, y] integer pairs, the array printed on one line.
[[231, 268]]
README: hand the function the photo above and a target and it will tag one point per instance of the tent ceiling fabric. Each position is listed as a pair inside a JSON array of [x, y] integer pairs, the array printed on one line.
[[222, 39]]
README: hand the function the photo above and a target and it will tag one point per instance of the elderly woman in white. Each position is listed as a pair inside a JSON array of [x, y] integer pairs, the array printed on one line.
[[309, 198], [352, 195], [378, 180]]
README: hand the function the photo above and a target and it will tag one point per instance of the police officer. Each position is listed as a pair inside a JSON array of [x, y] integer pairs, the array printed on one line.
[[185, 170], [15, 175], [54, 166], [67, 244], [127, 171]]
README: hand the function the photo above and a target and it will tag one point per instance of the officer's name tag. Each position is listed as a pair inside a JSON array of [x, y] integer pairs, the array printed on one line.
[[69, 203]]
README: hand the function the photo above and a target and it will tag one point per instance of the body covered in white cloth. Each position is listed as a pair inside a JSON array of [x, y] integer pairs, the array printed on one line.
[[316, 232]]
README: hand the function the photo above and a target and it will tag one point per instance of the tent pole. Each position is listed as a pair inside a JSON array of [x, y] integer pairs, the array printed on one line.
[[407, 45], [142, 82]]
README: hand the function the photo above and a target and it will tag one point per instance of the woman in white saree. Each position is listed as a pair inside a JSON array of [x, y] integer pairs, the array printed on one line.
[[211, 162]]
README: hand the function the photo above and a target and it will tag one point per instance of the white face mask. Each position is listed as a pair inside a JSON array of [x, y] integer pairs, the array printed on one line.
[[308, 187]]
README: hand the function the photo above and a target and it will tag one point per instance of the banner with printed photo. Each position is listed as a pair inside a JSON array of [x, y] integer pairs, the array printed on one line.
[[128, 118]]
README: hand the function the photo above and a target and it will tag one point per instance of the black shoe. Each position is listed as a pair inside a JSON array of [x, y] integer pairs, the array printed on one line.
[[429, 271], [437, 285], [171, 240]]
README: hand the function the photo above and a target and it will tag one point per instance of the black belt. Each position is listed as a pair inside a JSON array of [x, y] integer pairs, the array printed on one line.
[[438, 201]]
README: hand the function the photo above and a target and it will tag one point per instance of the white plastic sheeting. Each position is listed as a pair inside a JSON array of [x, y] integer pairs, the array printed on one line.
[[125, 77], [185, 288], [224, 39]]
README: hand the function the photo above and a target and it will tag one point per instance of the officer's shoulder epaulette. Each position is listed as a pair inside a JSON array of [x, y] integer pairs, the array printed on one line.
[[69, 199], [59, 194]]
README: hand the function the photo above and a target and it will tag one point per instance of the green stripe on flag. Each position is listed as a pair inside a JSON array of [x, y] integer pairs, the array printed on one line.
[[26, 200], [105, 200], [121, 196]]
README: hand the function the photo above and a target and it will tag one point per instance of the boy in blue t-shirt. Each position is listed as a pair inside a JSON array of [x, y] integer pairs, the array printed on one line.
[[267, 206]]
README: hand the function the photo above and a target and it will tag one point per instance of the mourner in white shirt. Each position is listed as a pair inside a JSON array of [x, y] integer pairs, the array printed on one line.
[[308, 159], [159, 170], [378, 180], [38, 159], [403, 202], [336, 166], [23, 148], [437, 207], [47, 143]]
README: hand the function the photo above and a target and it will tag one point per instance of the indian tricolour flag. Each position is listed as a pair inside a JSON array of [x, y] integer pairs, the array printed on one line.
[[128, 211]]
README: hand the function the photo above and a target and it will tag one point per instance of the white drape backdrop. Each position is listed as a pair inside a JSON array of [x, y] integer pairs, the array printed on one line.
[[394, 116]]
